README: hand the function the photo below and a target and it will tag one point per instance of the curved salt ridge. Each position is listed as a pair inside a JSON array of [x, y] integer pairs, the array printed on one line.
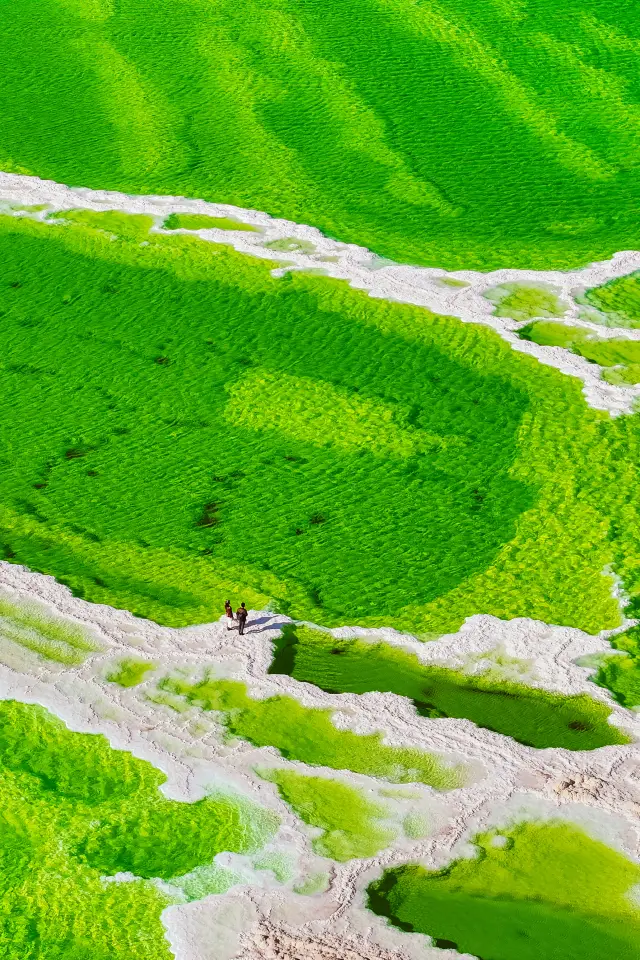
[[599, 789], [363, 270]]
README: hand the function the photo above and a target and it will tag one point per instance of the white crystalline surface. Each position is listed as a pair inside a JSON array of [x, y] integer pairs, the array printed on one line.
[[261, 917]]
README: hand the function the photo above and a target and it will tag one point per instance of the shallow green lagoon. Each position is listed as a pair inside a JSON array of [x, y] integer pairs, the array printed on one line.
[[129, 672], [309, 735], [73, 810], [615, 304], [619, 357], [534, 717], [521, 302], [352, 825], [200, 221], [52, 638], [461, 133], [178, 427], [535, 891], [621, 674]]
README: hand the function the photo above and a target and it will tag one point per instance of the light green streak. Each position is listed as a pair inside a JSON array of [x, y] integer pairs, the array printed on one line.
[[351, 823]]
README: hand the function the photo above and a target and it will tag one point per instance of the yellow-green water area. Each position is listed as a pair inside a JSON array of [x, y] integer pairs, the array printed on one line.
[[129, 672], [621, 674], [206, 880], [202, 221], [351, 823], [52, 638], [534, 717], [458, 133], [620, 357], [313, 884], [179, 426], [75, 812], [281, 865], [614, 304], [291, 245], [308, 734], [521, 302], [534, 891]]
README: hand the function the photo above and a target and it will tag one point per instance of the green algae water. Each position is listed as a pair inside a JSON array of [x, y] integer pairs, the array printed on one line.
[[521, 302], [200, 221], [129, 672], [534, 717], [614, 304], [51, 638], [74, 811], [621, 674], [351, 823], [536, 891], [308, 734], [440, 134], [619, 357], [178, 377]]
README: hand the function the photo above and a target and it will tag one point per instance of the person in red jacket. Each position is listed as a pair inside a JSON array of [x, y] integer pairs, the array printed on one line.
[[241, 615]]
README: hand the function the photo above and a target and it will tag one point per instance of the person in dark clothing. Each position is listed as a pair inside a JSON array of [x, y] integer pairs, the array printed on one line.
[[241, 615], [228, 609]]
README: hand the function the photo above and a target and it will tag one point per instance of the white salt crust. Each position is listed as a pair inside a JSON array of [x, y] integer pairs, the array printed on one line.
[[600, 790], [364, 270]]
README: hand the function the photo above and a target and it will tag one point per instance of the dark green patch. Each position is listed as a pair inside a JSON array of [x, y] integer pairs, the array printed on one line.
[[534, 717], [548, 892]]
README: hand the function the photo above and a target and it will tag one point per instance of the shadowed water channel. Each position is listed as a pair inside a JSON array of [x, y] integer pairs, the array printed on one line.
[[534, 717]]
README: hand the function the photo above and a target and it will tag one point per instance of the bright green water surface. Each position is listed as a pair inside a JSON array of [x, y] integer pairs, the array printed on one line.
[[522, 302], [73, 811], [533, 717], [309, 735], [155, 388], [50, 637], [463, 133], [619, 357], [580, 340], [129, 672], [616, 304], [200, 221], [548, 892], [158, 452], [621, 674], [350, 822]]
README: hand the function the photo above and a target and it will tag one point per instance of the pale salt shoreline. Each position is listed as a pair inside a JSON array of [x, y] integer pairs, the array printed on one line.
[[363, 270], [598, 790]]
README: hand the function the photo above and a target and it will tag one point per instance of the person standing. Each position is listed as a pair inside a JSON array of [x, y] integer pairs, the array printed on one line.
[[241, 614], [228, 609]]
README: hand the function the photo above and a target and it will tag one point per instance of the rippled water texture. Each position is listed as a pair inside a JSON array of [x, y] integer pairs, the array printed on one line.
[[155, 388], [535, 891], [464, 133]]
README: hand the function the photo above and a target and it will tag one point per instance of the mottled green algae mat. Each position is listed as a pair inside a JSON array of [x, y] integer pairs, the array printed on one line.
[[352, 825], [621, 673], [308, 734], [179, 426], [534, 717], [74, 814], [534, 891], [459, 133]]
